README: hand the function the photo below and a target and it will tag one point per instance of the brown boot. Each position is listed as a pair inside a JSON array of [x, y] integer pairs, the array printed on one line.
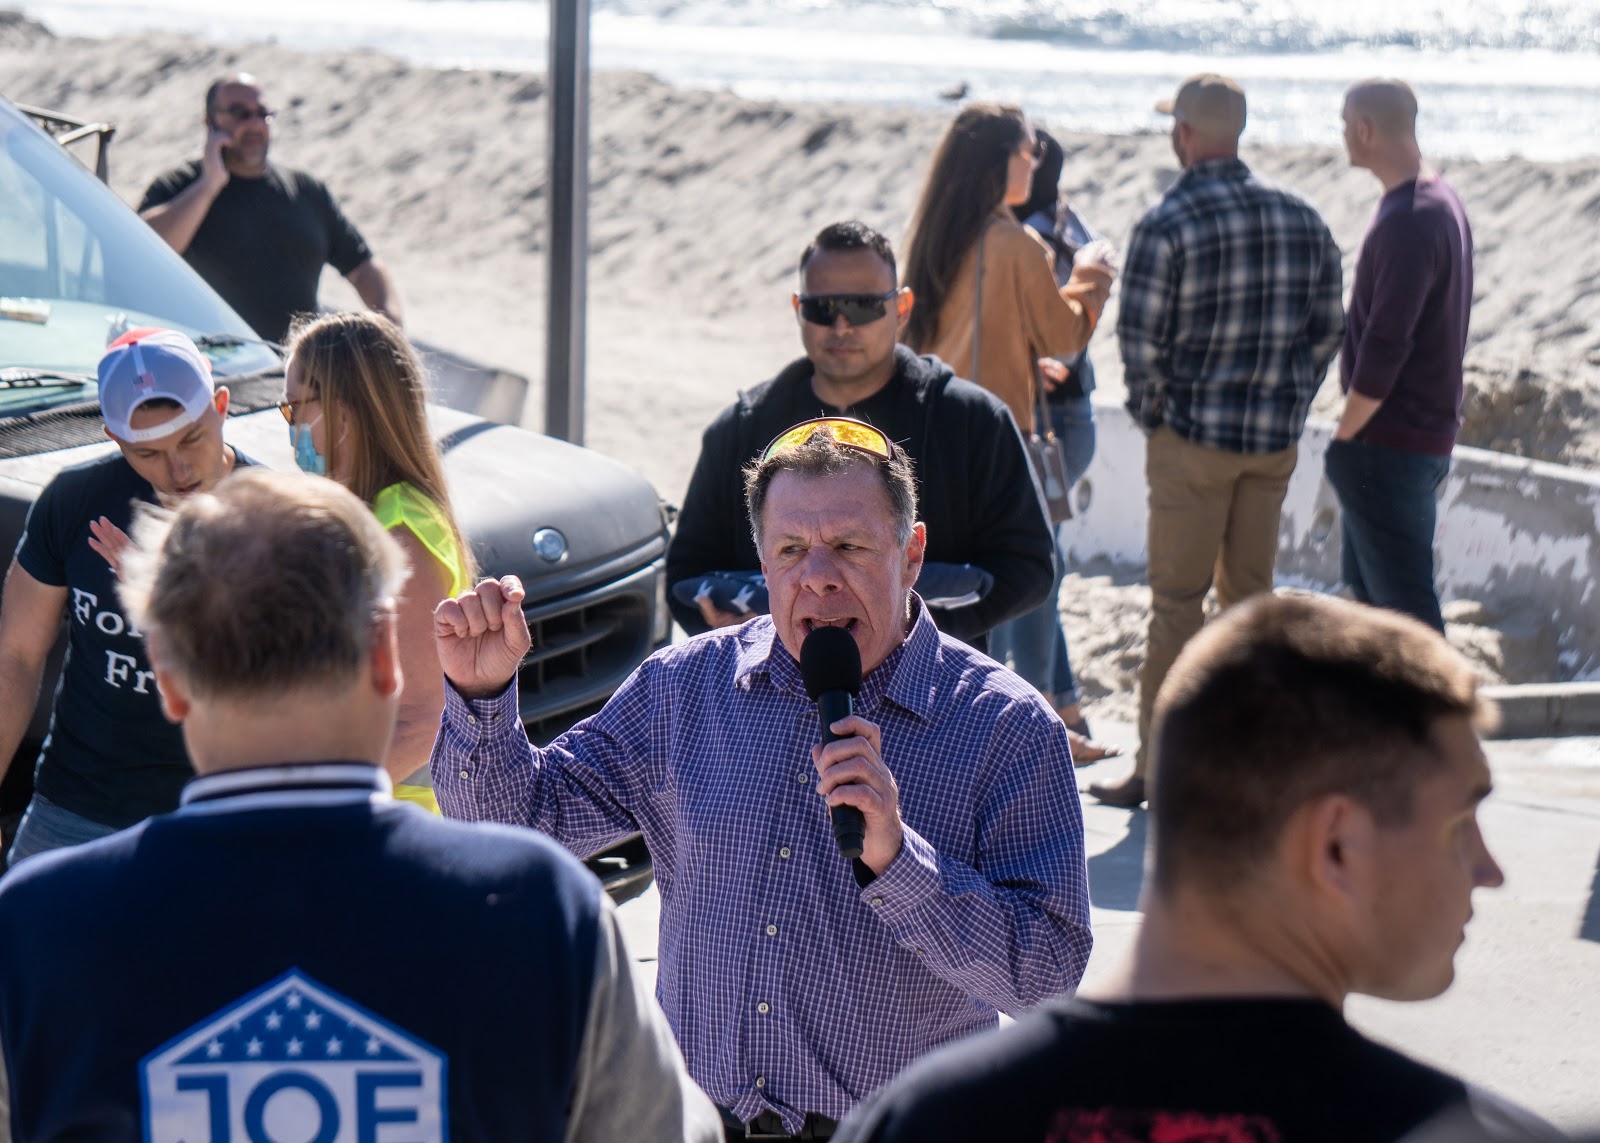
[[1125, 795]]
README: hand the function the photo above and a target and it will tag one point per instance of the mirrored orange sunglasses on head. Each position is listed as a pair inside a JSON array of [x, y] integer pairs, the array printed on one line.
[[847, 431]]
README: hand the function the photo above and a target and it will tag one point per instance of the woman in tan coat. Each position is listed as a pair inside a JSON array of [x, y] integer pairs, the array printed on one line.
[[994, 328], [983, 167]]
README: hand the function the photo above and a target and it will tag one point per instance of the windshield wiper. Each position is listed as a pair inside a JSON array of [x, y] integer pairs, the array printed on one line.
[[15, 377], [225, 340]]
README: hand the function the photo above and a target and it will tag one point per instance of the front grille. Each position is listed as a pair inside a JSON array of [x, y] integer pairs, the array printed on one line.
[[66, 427], [583, 649]]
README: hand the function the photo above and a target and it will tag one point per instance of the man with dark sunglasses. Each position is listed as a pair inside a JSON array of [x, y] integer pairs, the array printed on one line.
[[989, 548], [259, 233]]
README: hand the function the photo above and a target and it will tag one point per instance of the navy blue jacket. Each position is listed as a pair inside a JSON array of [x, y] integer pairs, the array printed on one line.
[[292, 938]]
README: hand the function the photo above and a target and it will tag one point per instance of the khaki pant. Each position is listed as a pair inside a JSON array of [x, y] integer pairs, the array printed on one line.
[[1213, 517]]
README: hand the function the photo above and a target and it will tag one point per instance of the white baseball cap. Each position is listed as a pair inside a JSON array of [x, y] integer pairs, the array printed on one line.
[[153, 364]]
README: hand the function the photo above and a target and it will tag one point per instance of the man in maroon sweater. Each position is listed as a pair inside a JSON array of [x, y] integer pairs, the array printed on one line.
[[1401, 366]]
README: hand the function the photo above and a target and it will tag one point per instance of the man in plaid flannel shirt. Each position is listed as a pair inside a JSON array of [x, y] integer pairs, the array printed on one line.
[[1231, 314]]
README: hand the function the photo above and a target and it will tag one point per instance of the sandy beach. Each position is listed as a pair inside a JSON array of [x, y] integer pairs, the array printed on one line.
[[701, 202]]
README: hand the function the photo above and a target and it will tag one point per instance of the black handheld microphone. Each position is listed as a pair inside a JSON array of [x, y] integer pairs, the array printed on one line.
[[830, 664]]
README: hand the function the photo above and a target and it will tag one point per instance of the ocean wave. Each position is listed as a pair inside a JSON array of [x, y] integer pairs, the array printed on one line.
[[1566, 26], [1190, 26]]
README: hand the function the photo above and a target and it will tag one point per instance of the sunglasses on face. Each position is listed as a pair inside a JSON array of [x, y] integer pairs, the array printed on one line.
[[244, 114], [857, 309], [291, 409], [847, 431]]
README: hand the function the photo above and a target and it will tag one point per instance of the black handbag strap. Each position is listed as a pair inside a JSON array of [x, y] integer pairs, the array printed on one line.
[[1042, 425]]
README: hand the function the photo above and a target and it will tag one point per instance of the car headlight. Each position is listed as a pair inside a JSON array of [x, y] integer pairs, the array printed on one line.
[[661, 628]]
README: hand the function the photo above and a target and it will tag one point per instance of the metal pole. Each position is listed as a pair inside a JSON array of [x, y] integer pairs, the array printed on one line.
[[569, 219]]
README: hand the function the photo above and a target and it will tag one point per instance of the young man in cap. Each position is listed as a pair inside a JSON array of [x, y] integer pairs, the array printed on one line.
[[111, 759], [1314, 833], [1232, 310]]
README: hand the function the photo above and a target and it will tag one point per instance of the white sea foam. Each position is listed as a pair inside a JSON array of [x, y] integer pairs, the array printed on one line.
[[1497, 77]]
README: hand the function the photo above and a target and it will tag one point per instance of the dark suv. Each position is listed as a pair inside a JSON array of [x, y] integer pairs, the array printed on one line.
[[587, 535]]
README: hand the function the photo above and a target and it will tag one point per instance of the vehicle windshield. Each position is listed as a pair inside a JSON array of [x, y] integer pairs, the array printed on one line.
[[78, 268]]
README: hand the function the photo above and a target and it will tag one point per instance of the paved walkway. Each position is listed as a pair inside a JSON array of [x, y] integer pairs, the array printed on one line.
[[1523, 1017]]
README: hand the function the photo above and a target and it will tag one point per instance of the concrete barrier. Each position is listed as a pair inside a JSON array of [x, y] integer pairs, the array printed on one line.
[[1520, 537], [1546, 710]]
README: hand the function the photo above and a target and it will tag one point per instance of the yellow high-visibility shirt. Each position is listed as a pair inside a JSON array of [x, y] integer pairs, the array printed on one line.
[[403, 505]]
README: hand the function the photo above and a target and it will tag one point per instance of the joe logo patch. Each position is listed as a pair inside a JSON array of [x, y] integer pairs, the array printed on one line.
[[294, 1062]]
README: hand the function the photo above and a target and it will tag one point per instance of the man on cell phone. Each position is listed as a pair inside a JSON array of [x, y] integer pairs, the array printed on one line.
[[259, 233]]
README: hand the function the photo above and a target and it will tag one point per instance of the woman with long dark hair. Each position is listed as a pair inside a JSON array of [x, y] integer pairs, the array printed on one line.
[[992, 301], [984, 166]]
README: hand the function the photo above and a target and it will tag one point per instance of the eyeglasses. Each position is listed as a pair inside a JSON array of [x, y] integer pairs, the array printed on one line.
[[857, 309], [244, 113], [846, 431], [291, 409]]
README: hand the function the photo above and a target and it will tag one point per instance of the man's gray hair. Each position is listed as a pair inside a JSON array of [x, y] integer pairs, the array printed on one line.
[[271, 583], [820, 455]]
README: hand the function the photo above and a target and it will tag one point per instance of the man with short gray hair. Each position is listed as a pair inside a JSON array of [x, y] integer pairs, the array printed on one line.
[[1232, 309], [970, 895], [1403, 360], [269, 610]]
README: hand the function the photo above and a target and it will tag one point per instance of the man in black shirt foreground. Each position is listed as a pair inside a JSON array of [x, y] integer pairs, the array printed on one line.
[[990, 553], [1314, 833], [259, 233]]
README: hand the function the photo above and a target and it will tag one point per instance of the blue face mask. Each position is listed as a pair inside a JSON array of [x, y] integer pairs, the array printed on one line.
[[305, 452]]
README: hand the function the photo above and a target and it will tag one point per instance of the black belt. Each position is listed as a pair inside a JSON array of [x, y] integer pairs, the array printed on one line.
[[769, 1126]]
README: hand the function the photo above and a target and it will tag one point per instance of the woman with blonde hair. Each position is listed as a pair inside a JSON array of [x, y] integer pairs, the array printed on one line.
[[356, 403], [991, 304]]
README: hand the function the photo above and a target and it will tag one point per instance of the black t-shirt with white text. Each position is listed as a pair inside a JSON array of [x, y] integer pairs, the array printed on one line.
[[263, 243], [111, 755], [1217, 1071]]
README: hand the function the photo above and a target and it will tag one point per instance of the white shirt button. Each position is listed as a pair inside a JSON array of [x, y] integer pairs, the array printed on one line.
[[772, 930], [801, 778], [784, 853], [473, 719], [762, 1008], [761, 1081], [464, 774], [876, 901]]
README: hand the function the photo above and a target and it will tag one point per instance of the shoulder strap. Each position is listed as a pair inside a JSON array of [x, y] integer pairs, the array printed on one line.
[[977, 304]]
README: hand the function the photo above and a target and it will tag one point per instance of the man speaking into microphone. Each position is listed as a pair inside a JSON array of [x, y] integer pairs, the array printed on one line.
[[796, 980]]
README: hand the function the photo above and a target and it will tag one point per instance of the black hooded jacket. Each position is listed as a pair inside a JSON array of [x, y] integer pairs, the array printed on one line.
[[975, 491]]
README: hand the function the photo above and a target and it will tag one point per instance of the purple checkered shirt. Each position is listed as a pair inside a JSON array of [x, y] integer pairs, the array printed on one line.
[[790, 987]]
